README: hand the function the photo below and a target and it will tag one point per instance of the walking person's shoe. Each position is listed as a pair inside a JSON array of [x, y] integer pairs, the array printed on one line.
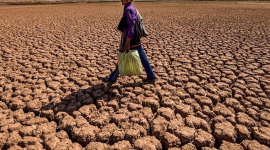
[[108, 80], [152, 80]]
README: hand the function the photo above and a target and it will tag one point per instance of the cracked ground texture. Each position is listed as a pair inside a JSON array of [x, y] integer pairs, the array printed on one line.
[[212, 61]]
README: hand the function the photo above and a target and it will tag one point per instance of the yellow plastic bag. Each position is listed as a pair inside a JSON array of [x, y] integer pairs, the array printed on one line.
[[129, 64]]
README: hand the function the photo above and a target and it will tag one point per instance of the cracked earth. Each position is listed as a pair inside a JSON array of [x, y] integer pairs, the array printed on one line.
[[212, 61]]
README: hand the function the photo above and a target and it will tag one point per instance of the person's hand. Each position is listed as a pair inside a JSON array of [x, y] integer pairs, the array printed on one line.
[[127, 45], [127, 48]]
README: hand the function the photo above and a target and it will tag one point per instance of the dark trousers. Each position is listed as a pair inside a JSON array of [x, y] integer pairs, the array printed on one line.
[[150, 74]]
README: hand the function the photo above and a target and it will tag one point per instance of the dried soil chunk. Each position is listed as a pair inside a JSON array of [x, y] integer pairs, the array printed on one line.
[[34, 105], [167, 113], [3, 138], [12, 140], [15, 147], [163, 93], [203, 116], [224, 94], [167, 102], [170, 140], [14, 127], [230, 146], [225, 131], [60, 115], [62, 134], [174, 148], [110, 128], [132, 135], [36, 121], [119, 118], [193, 103], [141, 121], [64, 144], [207, 111], [253, 145], [175, 124], [194, 79], [54, 85], [18, 104], [76, 146], [97, 146], [138, 90], [203, 100], [118, 135], [46, 128], [85, 134], [255, 101], [28, 130], [183, 109], [49, 114], [231, 102], [67, 123], [28, 140], [159, 127], [208, 148], [221, 109], [243, 132], [3, 105], [87, 110], [146, 143], [253, 113], [198, 123], [121, 145], [262, 134], [214, 97], [244, 119], [37, 146], [189, 146], [265, 115], [181, 94], [185, 134], [151, 102], [97, 94], [99, 119], [217, 119], [203, 139], [134, 107], [103, 136], [147, 113]]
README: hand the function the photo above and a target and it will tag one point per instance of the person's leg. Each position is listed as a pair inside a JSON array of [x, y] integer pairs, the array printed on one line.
[[114, 75], [145, 63]]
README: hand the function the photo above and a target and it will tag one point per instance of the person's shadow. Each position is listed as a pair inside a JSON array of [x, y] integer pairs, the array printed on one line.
[[90, 109], [97, 94]]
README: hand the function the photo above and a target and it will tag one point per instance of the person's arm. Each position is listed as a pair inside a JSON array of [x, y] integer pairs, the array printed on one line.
[[127, 45], [131, 19]]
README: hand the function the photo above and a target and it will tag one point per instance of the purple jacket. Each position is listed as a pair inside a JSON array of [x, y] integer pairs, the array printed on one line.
[[131, 15]]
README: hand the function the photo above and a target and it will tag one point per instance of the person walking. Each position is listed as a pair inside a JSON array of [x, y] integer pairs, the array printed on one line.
[[130, 39]]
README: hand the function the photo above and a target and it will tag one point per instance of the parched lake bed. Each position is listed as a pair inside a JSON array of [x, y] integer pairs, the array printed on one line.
[[212, 61]]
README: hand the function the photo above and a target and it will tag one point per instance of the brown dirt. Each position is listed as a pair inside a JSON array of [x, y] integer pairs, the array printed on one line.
[[212, 61]]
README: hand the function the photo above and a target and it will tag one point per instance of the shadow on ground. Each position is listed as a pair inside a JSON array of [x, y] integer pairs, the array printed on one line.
[[98, 94]]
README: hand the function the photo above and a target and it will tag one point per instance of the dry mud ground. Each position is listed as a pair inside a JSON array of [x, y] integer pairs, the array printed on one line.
[[212, 61]]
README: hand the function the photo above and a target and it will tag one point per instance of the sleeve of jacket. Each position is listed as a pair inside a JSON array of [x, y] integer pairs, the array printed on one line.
[[131, 19]]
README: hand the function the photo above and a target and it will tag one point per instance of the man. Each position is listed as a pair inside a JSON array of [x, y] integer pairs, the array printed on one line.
[[131, 40]]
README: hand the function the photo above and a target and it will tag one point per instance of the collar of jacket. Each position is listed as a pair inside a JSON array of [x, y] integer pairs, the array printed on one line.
[[128, 5]]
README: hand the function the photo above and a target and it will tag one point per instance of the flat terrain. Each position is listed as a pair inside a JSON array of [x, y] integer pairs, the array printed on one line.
[[212, 61]]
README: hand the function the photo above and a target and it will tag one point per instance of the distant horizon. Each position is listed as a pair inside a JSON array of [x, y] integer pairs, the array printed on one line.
[[113, 0], [25, 2]]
